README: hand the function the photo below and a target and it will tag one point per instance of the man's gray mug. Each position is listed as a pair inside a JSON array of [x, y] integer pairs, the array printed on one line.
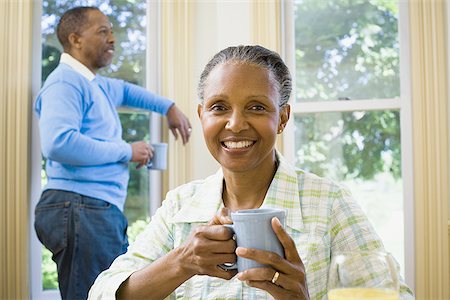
[[253, 229], [159, 159]]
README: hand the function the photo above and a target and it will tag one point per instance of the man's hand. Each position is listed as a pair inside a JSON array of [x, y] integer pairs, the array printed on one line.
[[141, 152], [176, 120]]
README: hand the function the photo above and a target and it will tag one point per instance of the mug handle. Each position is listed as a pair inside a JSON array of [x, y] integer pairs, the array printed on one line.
[[229, 266]]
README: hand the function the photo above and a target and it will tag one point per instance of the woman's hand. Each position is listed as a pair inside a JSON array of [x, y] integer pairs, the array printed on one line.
[[290, 283], [221, 218], [208, 247]]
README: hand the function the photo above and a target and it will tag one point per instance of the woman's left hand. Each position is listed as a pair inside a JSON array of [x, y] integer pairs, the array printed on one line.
[[290, 283]]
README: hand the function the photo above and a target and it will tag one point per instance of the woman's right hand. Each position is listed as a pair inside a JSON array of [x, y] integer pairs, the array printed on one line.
[[206, 248], [222, 217]]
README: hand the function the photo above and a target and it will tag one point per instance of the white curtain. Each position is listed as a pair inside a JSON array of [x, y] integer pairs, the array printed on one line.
[[15, 120]]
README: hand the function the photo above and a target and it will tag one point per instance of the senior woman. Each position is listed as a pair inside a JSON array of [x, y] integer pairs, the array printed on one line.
[[244, 94]]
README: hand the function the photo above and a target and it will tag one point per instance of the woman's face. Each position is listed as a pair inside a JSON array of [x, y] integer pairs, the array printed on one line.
[[241, 116]]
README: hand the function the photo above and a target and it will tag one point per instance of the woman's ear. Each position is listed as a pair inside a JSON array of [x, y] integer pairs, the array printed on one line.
[[285, 113]]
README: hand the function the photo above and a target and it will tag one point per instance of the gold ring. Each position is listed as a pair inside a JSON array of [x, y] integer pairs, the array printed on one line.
[[275, 277]]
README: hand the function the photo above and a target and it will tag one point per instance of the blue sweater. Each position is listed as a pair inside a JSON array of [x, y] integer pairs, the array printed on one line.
[[81, 134]]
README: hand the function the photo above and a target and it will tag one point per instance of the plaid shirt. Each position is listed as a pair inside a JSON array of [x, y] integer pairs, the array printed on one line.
[[322, 218]]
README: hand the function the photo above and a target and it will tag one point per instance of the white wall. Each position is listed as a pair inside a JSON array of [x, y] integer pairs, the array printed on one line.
[[217, 25]]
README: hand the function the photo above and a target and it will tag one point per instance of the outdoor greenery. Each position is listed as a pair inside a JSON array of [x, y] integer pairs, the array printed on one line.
[[49, 274], [347, 50], [128, 18]]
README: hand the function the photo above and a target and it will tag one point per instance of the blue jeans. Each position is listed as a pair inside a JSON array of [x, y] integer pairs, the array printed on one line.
[[84, 234]]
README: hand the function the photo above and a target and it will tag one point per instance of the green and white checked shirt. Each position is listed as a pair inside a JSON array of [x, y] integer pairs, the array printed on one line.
[[322, 219]]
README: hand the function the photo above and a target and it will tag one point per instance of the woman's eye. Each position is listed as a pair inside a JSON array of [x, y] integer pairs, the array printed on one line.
[[257, 108]]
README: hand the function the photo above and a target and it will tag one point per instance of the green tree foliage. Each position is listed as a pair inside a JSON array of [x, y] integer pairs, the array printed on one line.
[[349, 145], [128, 18], [136, 228], [347, 49], [49, 274], [136, 128]]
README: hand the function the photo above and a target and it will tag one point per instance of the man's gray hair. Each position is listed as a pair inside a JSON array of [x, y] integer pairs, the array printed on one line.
[[72, 21], [255, 55]]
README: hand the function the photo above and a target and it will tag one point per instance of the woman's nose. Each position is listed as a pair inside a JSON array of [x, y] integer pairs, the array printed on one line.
[[237, 122]]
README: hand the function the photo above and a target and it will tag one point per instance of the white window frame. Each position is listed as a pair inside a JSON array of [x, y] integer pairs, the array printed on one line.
[[403, 104], [155, 178], [153, 65]]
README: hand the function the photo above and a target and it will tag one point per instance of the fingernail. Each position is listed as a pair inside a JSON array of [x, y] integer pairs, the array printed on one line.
[[239, 275], [277, 221], [241, 251]]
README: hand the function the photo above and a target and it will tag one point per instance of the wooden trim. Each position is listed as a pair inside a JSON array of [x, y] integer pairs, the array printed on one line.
[[266, 30], [15, 119], [429, 108], [177, 58], [266, 24]]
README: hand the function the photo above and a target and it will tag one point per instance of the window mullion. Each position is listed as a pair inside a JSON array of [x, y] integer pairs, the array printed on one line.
[[346, 105]]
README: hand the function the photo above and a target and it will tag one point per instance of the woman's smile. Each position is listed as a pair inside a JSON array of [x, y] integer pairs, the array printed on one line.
[[238, 145]]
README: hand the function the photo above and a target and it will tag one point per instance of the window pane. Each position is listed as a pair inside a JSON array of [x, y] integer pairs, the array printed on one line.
[[346, 49], [136, 128], [362, 151], [129, 25]]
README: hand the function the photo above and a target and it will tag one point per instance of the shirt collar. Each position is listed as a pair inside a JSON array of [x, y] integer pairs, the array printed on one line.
[[69, 60], [283, 193]]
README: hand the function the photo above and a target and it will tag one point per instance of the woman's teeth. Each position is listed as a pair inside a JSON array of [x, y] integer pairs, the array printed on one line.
[[238, 145]]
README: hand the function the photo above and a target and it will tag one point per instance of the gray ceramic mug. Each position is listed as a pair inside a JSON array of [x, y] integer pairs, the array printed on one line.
[[253, 229], [159, 159]]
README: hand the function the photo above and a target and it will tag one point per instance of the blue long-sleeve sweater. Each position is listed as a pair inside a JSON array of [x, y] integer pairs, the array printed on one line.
[[81, 134]]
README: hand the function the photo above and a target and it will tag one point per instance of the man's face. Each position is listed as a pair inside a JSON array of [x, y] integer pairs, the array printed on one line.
[[95, 43]]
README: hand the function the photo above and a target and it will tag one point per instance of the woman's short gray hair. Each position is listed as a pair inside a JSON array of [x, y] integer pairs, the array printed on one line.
[[256, 55]]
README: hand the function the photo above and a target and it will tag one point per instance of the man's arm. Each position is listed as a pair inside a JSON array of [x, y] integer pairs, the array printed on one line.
[[178, 123], [61, 117]]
